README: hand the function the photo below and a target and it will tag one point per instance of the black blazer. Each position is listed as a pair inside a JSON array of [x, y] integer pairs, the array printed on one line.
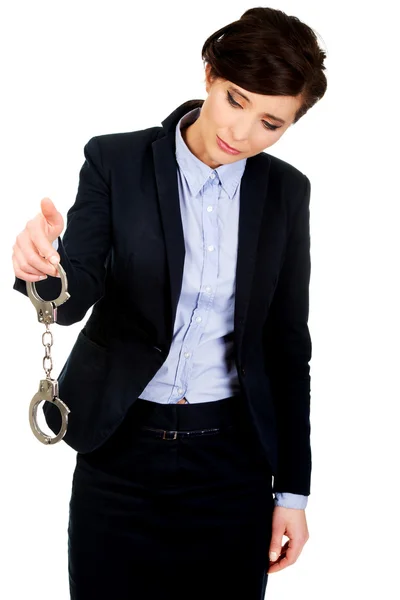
[[123, 252]]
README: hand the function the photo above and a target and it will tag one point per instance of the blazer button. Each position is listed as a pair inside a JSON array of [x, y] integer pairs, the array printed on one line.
[[243, 371]]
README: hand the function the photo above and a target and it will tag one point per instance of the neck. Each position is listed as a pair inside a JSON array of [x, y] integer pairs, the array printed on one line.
[[194, 141]]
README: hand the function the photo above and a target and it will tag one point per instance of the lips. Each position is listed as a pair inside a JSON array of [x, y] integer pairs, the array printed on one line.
[[228, 146], [225, 147]]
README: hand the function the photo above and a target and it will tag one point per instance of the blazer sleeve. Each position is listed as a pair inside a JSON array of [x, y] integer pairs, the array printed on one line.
[[287, 350], [85, 245]]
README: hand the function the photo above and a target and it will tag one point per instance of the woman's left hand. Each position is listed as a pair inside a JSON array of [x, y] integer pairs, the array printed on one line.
[[292, 523]]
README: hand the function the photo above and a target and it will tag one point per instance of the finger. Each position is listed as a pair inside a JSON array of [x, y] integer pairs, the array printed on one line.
[[37, 229], [30, 257], [23, 275], [35, 256], [289, 554], [281, 564], [293, 550], [22, 265]]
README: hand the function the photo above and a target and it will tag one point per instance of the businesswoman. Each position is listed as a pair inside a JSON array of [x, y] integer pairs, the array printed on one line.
[[189, 384]]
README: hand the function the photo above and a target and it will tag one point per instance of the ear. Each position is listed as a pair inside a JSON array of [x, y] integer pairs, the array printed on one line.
[[207, 80]]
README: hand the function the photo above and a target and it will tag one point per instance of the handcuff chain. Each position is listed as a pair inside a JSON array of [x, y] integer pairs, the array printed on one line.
[[47, 351]]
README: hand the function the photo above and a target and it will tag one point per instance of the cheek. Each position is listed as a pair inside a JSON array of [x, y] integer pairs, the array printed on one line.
[[218, 119], [264, 141], [258, 142]]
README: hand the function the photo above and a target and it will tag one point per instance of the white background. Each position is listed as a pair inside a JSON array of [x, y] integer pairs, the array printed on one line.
[[70, 71]]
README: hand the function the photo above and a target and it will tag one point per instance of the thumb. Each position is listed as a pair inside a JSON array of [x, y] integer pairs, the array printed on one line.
[[52, 215], [48, 209], [275, 549]]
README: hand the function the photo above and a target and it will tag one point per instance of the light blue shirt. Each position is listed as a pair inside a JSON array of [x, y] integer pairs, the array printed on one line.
[[200, 364]]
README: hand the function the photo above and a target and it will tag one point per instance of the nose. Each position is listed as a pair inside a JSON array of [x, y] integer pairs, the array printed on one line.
[[241, 135]]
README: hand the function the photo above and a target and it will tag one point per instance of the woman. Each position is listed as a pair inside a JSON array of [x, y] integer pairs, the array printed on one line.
[[189, 384]]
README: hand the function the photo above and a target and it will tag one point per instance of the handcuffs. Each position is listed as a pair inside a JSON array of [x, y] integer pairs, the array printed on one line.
[[48, 388]]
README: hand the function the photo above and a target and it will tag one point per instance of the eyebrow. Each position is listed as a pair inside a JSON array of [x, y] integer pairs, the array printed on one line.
[[234, 89]]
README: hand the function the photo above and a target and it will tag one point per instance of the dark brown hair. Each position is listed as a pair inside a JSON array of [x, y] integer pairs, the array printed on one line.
[[268, 52]]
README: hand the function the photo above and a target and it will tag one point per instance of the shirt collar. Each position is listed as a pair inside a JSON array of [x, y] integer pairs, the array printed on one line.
[[195, 171]]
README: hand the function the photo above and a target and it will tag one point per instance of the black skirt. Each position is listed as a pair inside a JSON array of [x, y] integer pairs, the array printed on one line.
[[162, 516]]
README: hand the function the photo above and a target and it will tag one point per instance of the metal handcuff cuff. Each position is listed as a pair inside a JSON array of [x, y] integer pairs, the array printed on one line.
[[48, 388]]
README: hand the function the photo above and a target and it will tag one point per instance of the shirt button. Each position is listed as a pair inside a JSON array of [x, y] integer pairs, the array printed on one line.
[[212, 176], [187, 354], [211, 248], [209, 208], [208, 288], [180, 390], [198, 319]]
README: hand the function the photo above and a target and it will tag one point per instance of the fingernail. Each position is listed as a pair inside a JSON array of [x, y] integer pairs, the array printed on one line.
[[54, 260], [273, 556], [42, 276]]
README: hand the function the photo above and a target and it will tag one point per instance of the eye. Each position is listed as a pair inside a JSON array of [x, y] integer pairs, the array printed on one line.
[[236, 105]]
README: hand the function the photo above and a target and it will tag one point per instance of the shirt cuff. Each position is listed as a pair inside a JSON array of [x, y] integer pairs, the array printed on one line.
[[288, 500]]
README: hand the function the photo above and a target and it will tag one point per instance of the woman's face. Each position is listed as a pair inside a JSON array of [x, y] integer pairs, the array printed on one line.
[[244, 127]]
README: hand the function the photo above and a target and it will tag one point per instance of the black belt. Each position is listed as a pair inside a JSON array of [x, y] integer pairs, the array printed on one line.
[[173, 435]]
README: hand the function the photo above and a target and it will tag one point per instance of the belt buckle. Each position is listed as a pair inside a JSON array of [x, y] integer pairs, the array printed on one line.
[[164, 435]]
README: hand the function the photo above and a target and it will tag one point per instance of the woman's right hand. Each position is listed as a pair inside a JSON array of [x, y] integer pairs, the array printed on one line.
[[33, 250]]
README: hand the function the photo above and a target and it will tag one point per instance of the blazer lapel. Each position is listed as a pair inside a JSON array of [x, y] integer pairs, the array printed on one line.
[[168, 196], [253, 199], [253, 194]]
